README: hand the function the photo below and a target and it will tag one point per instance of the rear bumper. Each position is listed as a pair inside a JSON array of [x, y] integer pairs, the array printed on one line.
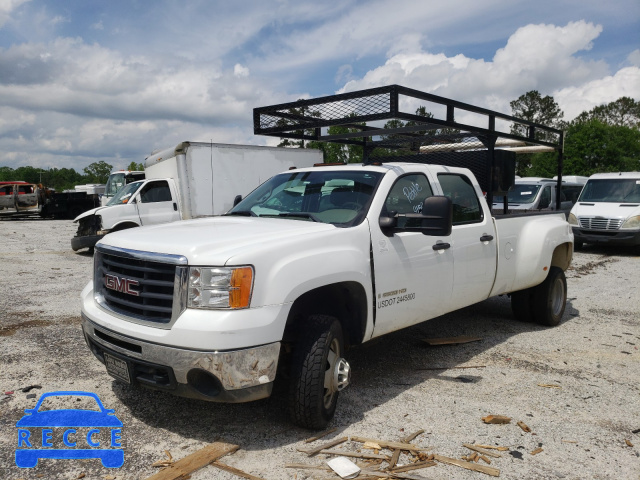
[[230, 377], [607, 237]]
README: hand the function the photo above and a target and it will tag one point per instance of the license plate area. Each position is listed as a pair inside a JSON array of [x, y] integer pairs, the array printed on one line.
[[117, 368]]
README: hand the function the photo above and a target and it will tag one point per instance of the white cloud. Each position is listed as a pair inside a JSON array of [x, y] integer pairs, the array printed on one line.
[[536, 57], [7, 7], [240, 71], [575, 100], [634, 58]]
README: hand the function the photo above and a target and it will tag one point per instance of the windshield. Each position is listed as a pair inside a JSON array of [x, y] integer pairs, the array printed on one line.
[[520, 193], [114, 183], [336, 197], [124, 194], [614, 190]]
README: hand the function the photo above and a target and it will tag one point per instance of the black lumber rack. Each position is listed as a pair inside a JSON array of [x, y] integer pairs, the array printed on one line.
[[452, 133]]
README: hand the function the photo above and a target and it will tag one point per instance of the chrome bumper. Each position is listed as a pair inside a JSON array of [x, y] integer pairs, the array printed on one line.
[[252, 368]]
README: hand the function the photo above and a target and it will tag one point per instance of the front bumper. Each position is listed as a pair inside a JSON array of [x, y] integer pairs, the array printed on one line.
[[86, 241], [607, 237], [219, 376]]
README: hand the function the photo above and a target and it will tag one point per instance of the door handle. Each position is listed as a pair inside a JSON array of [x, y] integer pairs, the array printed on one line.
[[175, 207], [441, 246], [486, 238]]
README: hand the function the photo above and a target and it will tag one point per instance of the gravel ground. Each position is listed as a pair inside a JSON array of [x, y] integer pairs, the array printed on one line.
[[576, 385]]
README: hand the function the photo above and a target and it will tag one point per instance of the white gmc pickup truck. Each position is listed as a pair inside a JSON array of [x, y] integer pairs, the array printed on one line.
[[311, 262]]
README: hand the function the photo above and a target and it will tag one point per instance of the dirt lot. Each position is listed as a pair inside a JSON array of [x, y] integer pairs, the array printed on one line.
[[576, 386]]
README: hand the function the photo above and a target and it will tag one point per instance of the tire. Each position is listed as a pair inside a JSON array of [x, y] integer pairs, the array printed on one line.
[[521, 305], [550, 298], [313, 398]]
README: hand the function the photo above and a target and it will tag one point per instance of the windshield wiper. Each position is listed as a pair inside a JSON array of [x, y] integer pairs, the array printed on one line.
[[241, 213], [301, 215], [295, 215]]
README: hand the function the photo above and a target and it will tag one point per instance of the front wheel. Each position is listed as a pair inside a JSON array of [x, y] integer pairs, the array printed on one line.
[[549, 299], [319, 372]]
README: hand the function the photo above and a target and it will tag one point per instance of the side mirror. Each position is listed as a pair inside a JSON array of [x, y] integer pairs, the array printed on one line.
[[388, 222], [237, 200], [437, 216], [435, 219]]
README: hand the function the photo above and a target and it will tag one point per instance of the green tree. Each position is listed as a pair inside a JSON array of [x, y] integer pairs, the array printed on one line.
[[532, 106], [98, 172], [135, 166], [594, 147], [624, 112]]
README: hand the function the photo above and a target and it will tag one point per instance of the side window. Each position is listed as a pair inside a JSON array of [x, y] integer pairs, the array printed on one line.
[[407, 196], [155, 192], [545, 198], [466, 206]]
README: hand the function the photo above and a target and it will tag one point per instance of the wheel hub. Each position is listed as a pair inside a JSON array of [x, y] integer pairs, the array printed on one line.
[[341, 375]]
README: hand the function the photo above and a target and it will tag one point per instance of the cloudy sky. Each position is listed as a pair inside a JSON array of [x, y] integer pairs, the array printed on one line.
[[85, 80]]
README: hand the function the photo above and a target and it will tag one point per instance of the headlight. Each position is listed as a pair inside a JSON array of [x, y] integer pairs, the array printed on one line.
[[632, 222], [220, 287], [572, 219]]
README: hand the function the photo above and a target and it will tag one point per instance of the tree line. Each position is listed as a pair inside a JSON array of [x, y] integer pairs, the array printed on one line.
[[60, 179]]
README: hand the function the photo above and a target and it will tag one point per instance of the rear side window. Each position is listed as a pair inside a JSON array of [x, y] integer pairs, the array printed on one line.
[[466, 206]]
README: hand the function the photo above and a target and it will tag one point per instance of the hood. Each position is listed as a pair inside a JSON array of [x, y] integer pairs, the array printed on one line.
[[88, 213], [97, 210], [605, 209], [213, 241]]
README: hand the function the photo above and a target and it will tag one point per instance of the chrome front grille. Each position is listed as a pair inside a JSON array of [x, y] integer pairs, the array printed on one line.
[[600, 223], [145, 287]]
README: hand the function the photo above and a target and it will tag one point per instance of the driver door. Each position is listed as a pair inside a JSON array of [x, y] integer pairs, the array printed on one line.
[[157, 203], [412, 280]]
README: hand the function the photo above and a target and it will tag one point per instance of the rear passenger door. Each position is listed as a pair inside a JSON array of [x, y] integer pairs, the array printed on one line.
[[473, 241]]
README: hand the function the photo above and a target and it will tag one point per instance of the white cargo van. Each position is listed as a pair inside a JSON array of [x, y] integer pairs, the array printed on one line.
[[608, 210], [539, 194], [190, 180]]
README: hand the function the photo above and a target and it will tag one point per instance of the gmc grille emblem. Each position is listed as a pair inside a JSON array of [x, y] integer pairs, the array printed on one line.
[[122, 285]]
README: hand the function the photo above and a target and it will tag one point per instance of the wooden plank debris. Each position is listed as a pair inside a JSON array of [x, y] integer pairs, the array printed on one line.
[[548, 385], [475, 448], [392, 445], [319, 436], [496, 419], [364, 456], [413, 466], [524, 427], [304, 466], [450, 340], [189, 464], [537, 451], [454, 368], [628, 442], [397, 452], [494, 472], [324, 446], [492, 447], [235, 471]]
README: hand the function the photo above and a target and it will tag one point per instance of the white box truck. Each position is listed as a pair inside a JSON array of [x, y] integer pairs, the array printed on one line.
[[608, 210], [116, 181], [187, 181]]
